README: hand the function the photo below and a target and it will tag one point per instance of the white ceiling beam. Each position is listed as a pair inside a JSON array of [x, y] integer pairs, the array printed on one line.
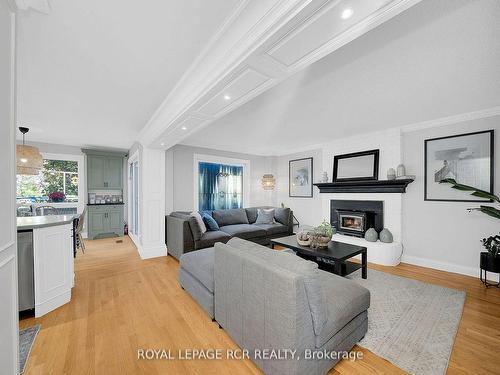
[[260, 44]]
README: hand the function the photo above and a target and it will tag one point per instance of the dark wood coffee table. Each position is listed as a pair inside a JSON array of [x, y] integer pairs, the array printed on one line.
[[333, 259]]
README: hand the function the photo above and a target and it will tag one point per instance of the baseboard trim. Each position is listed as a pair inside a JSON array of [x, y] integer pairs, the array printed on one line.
[[152, 251], [443, 266]]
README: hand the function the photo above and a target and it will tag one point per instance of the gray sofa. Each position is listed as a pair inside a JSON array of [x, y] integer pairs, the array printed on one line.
[[183, 233], [268, 299]]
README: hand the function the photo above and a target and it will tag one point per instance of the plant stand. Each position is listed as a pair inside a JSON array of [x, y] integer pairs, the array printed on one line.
[[489, 263]]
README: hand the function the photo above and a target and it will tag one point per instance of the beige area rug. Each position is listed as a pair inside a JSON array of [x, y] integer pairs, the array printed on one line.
[[410, 323]]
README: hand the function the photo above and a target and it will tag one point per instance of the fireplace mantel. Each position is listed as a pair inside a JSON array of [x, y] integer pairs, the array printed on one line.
[[368, 186]]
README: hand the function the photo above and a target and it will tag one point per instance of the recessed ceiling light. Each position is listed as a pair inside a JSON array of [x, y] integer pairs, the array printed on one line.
[[184, 128], [227, 97], [162, 144], [23, 160], [347, 13]]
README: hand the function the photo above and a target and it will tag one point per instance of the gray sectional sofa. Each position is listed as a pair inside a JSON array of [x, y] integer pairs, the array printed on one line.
[[183, 234], [271, 300]]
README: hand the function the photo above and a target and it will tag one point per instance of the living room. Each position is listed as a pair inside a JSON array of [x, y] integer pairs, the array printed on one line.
[[301, 187]]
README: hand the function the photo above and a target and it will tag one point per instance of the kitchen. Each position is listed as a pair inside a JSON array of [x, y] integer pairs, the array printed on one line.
[[64, 194]]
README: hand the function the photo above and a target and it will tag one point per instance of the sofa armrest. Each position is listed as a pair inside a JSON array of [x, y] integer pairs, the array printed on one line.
[[179, 236], [290, 223]]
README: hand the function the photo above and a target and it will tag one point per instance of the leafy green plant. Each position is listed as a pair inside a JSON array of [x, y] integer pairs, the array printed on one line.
[[488, 210], [492, 243], [324, 229]]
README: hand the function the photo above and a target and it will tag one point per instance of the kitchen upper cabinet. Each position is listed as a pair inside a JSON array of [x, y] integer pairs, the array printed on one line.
[[104, 170], [114, 173], [96, 167]]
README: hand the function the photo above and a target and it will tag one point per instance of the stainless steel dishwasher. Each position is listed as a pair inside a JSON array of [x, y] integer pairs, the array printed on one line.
[[25, 267]]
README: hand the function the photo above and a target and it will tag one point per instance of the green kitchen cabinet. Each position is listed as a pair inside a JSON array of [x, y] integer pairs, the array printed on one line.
[[96, 167], [104, 170], [105, 221]]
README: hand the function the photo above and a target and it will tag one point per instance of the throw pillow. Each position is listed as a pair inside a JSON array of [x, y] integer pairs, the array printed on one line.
[[265, 216], [199, 220], [210, 222]]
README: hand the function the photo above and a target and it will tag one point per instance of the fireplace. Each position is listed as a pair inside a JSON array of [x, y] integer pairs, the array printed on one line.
[[354, 218]]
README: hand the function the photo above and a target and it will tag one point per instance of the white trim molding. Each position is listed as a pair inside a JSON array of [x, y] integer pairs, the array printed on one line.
[[197, 158], [450, 120], [438, 265]]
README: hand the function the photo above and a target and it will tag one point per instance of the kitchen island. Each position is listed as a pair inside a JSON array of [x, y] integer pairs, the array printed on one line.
[[45, 262]]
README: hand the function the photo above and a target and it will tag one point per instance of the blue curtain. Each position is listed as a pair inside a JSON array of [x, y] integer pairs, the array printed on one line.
[[220, 186]]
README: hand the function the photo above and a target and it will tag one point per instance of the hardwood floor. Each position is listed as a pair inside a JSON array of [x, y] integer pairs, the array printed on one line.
[[121, 303]]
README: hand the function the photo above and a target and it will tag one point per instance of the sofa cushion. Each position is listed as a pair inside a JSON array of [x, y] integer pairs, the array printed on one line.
[[309, 270], [230, 217], [209, 238], [251, 214], [195, 228], [273, 229], [210, 222], [265, 216], [245, 231], [199, 220], [200, 264], [347, 300], [282, 215]]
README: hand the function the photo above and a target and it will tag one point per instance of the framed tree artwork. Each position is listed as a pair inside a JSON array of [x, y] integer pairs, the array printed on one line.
[[300, 178], [466, 158]]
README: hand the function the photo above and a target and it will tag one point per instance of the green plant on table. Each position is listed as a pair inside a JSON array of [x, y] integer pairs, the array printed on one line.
[[324, 230]]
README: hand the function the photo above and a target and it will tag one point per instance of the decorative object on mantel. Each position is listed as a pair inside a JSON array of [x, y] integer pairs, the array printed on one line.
[[466, 159], [400, 170], [322, 235], [371, 235], [391, 174], [324, 177], [386, 236], [29, 159], [356, 166], [489, 261], [300, 175], [268, 182], [378, 186]]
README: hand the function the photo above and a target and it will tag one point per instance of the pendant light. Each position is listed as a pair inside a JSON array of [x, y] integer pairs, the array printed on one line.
[[268, 182], [29, 159]]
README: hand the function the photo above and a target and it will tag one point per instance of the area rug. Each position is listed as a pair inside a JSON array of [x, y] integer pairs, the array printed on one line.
[[410, 323], [26, 339]]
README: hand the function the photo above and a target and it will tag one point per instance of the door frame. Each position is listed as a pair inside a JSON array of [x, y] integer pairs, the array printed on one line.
[[134, 158]]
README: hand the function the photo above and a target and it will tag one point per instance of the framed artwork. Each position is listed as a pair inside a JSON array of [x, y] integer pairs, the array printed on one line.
[[357, 166], [467, 158], [300, 178]]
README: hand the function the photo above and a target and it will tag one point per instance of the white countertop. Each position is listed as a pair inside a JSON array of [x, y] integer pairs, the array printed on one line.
[[33, 222]]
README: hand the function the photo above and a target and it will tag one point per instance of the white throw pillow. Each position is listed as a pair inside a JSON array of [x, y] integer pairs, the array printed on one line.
[[265, 216], [199, 220]]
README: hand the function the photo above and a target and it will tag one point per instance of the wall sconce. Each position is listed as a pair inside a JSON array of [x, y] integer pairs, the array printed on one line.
[[268, 182]]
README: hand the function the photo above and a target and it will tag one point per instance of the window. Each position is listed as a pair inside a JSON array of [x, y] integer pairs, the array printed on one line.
[[56, 176], [220, 186]]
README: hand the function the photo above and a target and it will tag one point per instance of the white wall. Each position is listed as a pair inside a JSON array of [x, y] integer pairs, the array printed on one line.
[[9, 333], [308, 211], [439, 235], [442, 234], [311, 211], [179, 169]]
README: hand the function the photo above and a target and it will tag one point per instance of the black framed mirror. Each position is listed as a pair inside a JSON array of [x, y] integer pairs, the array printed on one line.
[[356, 166]]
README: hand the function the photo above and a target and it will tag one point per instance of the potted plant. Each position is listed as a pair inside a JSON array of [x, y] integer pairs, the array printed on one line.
[[57, 196], [322, 235], [490, 259]]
